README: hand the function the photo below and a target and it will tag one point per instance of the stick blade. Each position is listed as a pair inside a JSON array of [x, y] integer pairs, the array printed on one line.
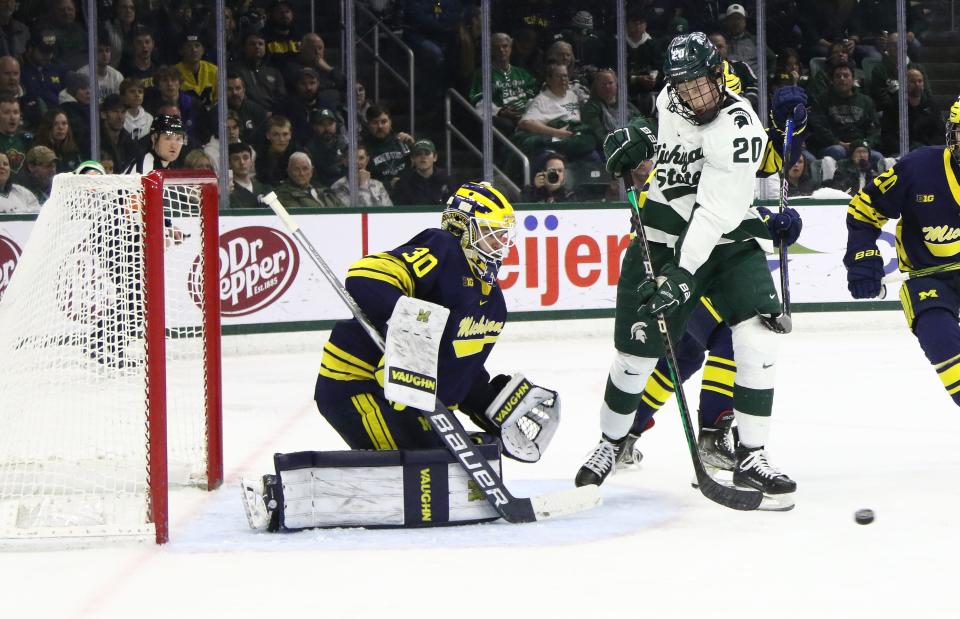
[[566, 502], [728, 496]]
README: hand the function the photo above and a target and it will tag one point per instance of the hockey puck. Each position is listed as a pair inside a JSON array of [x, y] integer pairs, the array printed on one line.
[[863, 516]]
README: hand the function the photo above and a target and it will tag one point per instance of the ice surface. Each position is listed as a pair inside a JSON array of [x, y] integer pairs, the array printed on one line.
[[860, 421]]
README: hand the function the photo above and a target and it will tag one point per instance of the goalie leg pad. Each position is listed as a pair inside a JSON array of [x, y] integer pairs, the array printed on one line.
[[527, 416], [378, 489]]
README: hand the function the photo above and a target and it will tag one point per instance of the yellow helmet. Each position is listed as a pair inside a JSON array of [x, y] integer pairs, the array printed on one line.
[[484, 220], [953, 131]]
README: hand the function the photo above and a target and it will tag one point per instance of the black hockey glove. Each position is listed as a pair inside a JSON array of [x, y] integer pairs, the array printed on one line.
[[784, 227], [674, 288], [864, 272]]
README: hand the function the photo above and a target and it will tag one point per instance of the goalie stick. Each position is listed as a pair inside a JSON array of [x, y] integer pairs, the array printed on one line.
[[445, 424], [728, 496]]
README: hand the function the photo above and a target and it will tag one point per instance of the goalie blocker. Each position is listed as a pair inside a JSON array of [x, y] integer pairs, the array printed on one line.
[[371, 489]]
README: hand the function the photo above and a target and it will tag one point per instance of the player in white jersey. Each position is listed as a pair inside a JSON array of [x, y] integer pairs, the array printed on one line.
[[705, 240]]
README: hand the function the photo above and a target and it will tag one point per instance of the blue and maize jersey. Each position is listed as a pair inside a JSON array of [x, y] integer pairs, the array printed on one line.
[[923, 192], [431, 266]]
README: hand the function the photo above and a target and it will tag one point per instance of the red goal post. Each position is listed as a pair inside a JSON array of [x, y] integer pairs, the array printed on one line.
[[111, 322]]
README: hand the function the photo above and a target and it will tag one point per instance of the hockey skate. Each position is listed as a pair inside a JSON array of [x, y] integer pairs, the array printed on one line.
[[753, 471], [601, 463], [717, 445], [259, 504], [630, 455]]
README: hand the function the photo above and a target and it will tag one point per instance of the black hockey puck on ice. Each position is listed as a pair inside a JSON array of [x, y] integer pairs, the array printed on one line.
[[863, 516]]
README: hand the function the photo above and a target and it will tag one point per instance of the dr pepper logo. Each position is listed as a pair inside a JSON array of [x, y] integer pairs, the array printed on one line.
[[9, 257], [257, 265]]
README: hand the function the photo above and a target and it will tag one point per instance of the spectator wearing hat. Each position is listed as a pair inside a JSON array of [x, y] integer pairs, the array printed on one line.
[[333, 84], [251, 116], [70, 34], [139, 61], [841, 117], [422, 183], [108, 78], [643, 63], [198, 77], [389, 151], [272, 157], [39, 168], [513, 87], [299, 190], [42, 78], [13, 140], [14, 198], [855, 172], [137, 121], [370, 191], [115, 141], [326, 147], [588, 46], [305, 101], [741, 45], [55, 133], [245, 190], [264, 84], [281, 35], [14, 34]]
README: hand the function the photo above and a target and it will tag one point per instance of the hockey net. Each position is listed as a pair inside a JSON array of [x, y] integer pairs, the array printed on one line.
[[110, 357]]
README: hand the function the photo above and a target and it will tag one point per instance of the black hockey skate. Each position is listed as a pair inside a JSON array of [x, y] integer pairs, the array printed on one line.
[[630, 455], [753, 471], [717, 445], [601, 463]]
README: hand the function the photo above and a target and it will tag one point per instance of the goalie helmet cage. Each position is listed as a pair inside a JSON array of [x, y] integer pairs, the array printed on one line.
[[110, 388]]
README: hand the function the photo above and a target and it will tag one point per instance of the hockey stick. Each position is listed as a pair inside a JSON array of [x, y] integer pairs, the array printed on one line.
[[903, 276], [445, 424], [784, 322], [728, 496]]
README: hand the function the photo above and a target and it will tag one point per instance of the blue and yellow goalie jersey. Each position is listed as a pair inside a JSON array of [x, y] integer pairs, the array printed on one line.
[[923, 192], [431, 266]]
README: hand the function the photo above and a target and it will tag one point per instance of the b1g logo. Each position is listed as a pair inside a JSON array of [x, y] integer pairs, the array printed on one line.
[[257, 265], [9, 257]]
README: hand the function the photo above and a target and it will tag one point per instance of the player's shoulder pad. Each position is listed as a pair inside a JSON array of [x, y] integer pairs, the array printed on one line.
[[440, 242], [927, 158]]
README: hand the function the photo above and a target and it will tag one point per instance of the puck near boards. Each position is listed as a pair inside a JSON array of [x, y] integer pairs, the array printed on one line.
[[863, 516]]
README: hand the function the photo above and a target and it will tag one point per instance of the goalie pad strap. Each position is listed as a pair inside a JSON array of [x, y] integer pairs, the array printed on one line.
[[379, 489]]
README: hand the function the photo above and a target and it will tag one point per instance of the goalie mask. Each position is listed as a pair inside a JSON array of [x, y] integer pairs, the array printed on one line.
[[694, 73], [953, 132], [483, 219]]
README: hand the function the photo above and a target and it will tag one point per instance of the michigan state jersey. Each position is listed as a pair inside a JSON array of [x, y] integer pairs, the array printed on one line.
[[702, 189], [431, 266], [923, 192]]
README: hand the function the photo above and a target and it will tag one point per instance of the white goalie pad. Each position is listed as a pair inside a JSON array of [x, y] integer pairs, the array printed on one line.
[[410, 360], [374, 489]]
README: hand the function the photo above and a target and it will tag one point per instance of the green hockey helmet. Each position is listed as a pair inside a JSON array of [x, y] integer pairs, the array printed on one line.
[[953, 131], [693, 70]]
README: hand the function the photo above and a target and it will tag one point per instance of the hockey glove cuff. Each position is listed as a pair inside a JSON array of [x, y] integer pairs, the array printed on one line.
[[864, 272], [784, 227], [674, 288]]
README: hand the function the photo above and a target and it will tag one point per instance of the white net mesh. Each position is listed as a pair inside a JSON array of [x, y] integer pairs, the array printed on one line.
[[74, 437]]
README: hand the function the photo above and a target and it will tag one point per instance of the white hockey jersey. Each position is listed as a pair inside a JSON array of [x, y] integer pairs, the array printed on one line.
[[702, 191]]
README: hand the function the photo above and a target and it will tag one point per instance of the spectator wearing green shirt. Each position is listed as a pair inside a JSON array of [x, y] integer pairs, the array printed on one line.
[[600, 112], [14, 142], [298, 191], [389, 151], [512, 86], [843, 116]]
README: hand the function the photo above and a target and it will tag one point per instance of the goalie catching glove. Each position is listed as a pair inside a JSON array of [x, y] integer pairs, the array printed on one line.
[[524, 415]]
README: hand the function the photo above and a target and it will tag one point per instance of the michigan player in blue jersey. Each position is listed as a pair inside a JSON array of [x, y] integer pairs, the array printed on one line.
[[456, 267], [923, 191], [707, 338]]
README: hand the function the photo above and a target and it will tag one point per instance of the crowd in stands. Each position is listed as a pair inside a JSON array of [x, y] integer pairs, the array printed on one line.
[[552, 94]]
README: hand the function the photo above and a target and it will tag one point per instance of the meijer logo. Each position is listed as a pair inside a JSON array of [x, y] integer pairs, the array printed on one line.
[[9, 257], [257, 265]]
